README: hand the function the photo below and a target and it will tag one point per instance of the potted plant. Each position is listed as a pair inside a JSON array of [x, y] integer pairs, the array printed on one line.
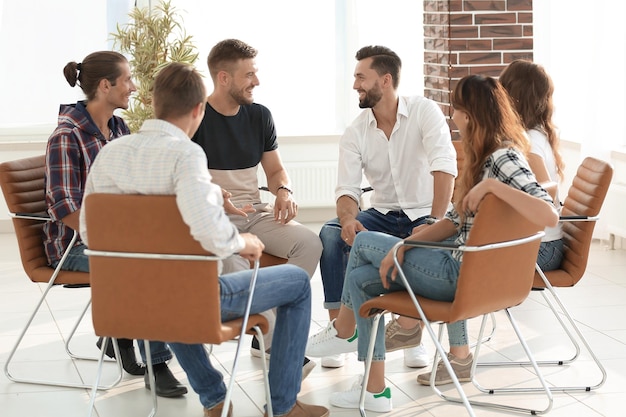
[[153, 38]]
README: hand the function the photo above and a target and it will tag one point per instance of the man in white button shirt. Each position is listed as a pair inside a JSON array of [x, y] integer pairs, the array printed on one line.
[[403, 147], [161, 159]]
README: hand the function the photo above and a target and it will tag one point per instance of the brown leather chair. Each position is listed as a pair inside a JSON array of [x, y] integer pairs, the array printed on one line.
[[579, 213], [139, 244], [501, 240], [22, 183]]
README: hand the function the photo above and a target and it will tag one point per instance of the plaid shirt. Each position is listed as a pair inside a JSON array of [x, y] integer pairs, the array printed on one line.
[[71, 150], [506, 165]]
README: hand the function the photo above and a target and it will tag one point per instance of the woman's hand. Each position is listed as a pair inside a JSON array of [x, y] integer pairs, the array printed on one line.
[[472, 199], [388, 264]]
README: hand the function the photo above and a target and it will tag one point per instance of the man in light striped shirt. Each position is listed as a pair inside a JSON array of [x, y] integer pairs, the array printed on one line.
[[161, 159]]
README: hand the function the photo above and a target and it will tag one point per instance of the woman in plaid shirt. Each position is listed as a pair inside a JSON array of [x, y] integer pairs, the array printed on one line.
[[495, 147]]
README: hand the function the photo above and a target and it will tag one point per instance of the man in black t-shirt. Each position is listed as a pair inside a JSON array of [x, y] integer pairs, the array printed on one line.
[[238, 135]]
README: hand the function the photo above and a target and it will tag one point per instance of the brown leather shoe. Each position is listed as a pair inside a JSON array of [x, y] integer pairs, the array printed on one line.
[[217, 410], [306, 410]]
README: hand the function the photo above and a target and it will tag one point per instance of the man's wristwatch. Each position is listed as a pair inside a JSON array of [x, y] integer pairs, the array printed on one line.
[[430, 220]]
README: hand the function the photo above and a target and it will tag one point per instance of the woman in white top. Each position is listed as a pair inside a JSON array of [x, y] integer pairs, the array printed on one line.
[[531, 88]]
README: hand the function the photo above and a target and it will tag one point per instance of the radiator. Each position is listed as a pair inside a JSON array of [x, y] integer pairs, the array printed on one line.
[[613, 209], [313, 183]]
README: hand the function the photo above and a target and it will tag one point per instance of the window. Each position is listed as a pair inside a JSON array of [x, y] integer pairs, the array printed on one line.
[[583, 51], [306, 52]]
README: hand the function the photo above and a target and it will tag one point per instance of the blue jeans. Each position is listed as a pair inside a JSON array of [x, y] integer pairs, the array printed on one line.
[[431, 273], [77, 261], [335, 251], [550, 255], [286, 287]]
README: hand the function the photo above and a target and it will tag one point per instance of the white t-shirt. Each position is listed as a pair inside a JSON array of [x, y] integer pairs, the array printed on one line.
[[540, 146]]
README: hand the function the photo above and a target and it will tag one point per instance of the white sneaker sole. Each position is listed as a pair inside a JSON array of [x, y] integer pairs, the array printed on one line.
[[376, 407], [335, 361]]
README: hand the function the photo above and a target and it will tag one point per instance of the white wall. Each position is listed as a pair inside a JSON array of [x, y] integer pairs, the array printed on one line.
[[584, 55], [584, 50], [32, 35]]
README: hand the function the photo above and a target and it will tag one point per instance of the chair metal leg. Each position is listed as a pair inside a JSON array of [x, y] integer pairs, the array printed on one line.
[[562, 310], [244, 327], [94, 389], [151, 378], [370, 353], [544, 386], [368, 363], [69, 351], [440, 351], [487, 338], [20, 338], [266, 380], [553, 362]]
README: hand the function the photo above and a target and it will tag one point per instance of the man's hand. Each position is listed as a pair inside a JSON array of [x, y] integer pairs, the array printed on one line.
[[253, 248], [285, 208], [349, 229], [419, 227], [230, 208]]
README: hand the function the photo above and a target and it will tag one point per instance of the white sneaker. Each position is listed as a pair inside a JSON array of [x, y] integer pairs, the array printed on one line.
[[333, 361], [326, 343], [416, 357], [379, 403]]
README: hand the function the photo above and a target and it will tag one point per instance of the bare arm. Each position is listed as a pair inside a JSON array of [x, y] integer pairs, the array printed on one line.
[[534, 209], [347, 210], [285, 207], [538, 167], [443, 188]]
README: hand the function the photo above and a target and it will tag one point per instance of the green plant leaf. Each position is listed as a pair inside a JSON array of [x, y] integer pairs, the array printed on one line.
[[151, 40]]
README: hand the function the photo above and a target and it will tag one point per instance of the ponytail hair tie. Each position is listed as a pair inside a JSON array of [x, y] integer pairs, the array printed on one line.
[[79, 66]]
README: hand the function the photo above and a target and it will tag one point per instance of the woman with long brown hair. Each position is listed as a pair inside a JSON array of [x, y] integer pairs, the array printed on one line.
[[531, 88], [495, 147]]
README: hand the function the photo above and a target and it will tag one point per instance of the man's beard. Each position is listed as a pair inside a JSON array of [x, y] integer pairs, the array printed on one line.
[[240, 98], [372, 97]]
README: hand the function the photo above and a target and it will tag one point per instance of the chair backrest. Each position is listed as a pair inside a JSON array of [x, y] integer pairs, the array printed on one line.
[[154, 299], [495, 279], [584, 198], [489, 280], [22, 183]]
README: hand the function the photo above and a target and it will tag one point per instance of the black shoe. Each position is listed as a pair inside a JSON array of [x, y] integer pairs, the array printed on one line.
[[166, 384], [255, 349], [307, 367], [129, 361]]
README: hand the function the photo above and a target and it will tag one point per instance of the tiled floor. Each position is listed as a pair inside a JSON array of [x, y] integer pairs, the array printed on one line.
[[598, 303]]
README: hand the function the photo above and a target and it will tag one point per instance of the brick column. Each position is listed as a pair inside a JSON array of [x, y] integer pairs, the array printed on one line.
[[463, 37]]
